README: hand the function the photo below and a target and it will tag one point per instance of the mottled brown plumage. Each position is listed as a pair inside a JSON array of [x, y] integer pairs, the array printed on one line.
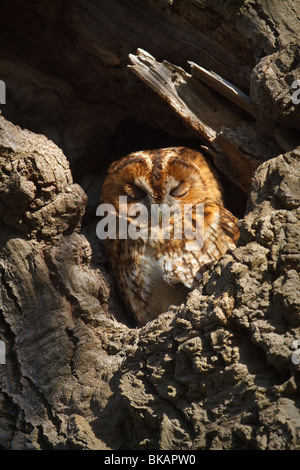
[[154, 273]]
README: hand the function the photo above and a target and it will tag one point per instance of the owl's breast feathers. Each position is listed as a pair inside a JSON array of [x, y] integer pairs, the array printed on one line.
[[154, 274]]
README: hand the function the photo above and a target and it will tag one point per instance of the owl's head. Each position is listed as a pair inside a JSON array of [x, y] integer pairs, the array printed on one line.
[[175, 175]]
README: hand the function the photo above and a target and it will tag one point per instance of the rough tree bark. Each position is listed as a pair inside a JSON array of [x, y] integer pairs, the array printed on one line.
[[219, 372]]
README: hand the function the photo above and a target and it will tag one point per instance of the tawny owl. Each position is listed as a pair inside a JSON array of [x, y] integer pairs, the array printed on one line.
[[158, 268]]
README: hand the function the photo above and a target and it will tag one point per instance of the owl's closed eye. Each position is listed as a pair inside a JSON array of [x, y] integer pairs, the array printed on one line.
[[153, 273]]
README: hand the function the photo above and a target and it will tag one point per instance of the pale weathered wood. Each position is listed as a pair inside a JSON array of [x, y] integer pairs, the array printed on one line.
[[237, 144], [224, 87]]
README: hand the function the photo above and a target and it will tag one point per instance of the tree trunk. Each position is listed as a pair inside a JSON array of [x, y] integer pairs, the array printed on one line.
[[222, 370]]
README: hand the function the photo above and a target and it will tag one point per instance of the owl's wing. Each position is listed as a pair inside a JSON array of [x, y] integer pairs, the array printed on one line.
[[228, 225]]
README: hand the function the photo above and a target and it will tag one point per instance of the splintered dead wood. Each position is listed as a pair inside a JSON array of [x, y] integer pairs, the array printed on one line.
[[237, 145], [224, 87]]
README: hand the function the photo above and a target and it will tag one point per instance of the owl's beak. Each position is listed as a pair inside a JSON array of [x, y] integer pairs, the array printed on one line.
[[166, 200], [149, 202]]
